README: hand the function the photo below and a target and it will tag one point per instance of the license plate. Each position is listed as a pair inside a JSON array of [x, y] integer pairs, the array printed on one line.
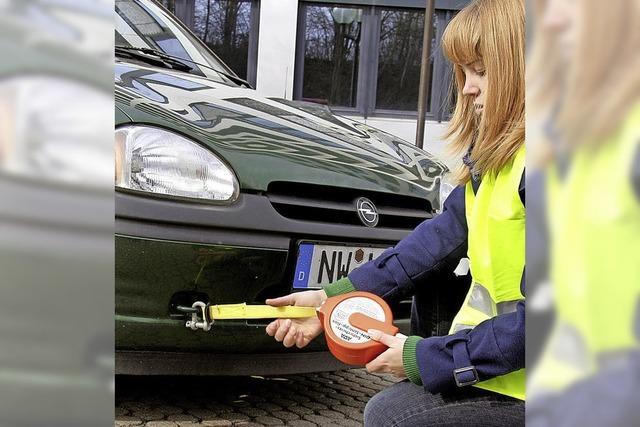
[[319, 265]]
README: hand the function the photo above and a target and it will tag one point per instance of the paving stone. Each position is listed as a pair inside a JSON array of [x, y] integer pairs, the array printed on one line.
[[330, 401], [149, 415], [354, 393], [347, 411], [181, 417], [269, 421], [334, 377], [203, 414], [321, 380], [301, 410], [286, 415], [313, 395], [299, 398], [301, 423], [331, 414], [254, 412], [238, 418], [160, 424], [349, 422], [315, 406], [320, 420], [348, 400], [217, 423], [125, 421]]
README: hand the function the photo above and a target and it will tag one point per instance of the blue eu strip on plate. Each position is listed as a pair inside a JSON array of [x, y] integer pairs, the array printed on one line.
[[303, 267]]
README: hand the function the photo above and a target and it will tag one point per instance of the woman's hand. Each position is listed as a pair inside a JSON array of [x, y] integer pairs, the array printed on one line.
[[390, 361], [300, 299], [298, 332]]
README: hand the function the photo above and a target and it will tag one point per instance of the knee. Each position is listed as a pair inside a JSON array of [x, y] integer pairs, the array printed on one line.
[[377, 411], [397, 405]]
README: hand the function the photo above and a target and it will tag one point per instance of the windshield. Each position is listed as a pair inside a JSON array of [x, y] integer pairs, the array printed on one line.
[[145, 24]]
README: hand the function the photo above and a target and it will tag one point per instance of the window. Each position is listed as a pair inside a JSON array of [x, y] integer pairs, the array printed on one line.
[[399, 59], [331, 55], [228, 27], [365, 59]]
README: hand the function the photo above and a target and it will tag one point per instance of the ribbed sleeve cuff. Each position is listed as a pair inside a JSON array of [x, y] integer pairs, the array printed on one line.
[[340, 287], [410, 361]]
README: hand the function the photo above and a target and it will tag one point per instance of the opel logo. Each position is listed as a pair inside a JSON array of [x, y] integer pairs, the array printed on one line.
[[367, 212]]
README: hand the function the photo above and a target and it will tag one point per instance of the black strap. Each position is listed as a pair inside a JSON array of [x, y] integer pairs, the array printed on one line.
[[475, 184], [464, 372], [521, 188]]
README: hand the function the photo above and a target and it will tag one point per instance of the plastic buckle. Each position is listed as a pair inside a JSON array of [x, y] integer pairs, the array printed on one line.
[[459, 371]]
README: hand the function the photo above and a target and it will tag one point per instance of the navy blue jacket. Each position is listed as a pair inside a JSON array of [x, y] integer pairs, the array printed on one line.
[[495, 347]]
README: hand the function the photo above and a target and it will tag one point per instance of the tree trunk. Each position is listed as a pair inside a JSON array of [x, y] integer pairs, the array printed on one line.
[[206, 21], [337, 65], [229, 26]]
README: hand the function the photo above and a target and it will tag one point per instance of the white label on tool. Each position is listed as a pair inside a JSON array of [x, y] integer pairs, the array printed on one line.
[[340, 318]]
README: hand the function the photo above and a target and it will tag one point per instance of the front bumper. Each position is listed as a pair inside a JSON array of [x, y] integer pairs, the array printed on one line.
[[183, 363], [167, 251]]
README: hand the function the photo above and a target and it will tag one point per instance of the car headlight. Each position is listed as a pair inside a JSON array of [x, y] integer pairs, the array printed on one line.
[[53, 130], [446, 187], [161, 162]]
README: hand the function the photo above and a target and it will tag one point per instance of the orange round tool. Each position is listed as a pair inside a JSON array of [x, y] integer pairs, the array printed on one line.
[[347, 318]]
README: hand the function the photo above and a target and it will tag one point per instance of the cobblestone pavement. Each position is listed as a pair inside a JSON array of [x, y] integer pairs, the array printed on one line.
[[325, 399]]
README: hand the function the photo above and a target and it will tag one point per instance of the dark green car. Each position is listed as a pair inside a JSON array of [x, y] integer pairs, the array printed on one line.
[[226, 197]]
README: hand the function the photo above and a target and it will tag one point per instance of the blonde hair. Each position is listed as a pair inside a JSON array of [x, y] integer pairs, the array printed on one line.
[[491, 31], [593, 91]]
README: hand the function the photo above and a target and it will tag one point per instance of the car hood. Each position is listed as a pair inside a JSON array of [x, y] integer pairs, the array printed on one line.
[[269, 139]]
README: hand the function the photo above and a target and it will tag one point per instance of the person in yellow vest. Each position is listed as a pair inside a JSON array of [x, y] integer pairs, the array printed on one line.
[[587, 83], [474, 375]]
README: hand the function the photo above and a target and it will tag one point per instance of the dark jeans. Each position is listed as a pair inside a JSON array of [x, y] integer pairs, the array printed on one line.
[[406, 404]]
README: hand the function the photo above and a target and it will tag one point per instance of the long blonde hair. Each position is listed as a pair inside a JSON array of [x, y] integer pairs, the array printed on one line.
[[491, 31], [591, 92]]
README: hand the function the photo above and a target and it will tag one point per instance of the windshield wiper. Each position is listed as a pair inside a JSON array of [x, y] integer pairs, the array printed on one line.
[[237, 80], [154, 57], [128, 49]]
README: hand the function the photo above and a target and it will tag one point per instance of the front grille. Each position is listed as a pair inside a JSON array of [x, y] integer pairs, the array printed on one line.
[[319, 203]]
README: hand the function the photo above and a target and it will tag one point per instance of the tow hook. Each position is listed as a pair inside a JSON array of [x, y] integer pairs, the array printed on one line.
[[199, 316]]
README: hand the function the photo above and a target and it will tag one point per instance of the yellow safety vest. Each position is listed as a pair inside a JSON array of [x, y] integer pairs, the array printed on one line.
[[496, 222], [594, 219]]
